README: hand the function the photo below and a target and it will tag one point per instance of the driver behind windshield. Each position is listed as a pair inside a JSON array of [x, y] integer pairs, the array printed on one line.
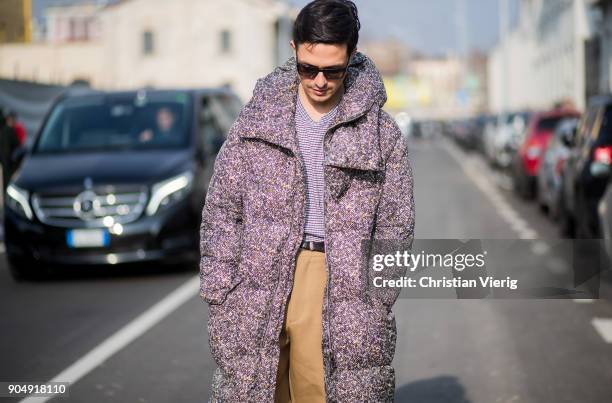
[[165, 130]]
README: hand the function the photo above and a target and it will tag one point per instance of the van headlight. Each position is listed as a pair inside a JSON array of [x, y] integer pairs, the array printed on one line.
[[17, 200], [169, 191]]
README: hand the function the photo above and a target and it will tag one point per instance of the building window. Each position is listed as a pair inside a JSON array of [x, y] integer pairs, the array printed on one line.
[[226, 41], [148, 44]]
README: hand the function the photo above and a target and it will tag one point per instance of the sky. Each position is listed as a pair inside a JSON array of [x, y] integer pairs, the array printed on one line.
[[429, 26]]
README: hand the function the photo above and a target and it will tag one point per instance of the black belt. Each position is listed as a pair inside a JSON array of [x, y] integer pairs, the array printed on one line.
[[312, 245]]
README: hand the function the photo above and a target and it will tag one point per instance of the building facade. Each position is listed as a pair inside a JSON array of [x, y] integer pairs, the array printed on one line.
[[15, 21], [136, 43], [77, 23], [544, 58], [603, 45], [429, 87]]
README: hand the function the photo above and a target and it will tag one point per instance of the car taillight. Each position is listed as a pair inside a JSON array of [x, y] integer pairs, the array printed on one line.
[[603, 155]]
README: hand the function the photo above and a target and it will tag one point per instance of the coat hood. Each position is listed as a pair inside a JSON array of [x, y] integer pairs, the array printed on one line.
[[269, 115]]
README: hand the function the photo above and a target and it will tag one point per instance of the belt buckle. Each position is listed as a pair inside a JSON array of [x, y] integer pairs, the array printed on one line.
[[311, 245]]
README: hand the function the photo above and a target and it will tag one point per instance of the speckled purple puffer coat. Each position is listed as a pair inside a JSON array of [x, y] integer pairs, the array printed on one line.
[[253, 223]]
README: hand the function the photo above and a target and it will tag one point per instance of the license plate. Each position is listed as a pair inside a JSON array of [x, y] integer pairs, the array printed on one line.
[[82, 238]]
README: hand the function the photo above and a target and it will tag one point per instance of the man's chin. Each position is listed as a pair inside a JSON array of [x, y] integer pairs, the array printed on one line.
[[321, 98]]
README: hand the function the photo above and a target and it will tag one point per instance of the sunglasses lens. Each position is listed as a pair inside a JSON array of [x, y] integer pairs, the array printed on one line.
[[334, 75], [310, 72], [306, 71]]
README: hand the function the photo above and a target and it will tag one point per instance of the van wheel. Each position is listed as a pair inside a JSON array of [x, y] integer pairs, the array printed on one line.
[[22, 270]]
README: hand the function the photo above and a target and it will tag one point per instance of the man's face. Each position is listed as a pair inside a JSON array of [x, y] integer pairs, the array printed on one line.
[[165, 119], [321, 89]]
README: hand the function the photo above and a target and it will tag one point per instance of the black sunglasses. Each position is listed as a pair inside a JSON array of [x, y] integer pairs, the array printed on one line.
[[310, 72]]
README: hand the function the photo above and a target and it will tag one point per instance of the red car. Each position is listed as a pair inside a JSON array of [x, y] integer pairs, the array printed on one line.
[[537, 135]]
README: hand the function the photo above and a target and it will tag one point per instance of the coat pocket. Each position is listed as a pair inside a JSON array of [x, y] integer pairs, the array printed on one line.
[[216, 286], [337, 180], [340, 180]]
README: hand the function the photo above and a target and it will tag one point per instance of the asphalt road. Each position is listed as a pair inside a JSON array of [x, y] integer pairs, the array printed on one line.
[[130, 336]]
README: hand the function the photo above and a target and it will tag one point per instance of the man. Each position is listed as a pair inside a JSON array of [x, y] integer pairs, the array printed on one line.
[[311, 167], [13, 122], [165, 132]]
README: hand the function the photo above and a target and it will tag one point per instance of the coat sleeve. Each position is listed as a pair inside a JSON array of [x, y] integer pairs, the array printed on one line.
[[395, 217], [222, 217]]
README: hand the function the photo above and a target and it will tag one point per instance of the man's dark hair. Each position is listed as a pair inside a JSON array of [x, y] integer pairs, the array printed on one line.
[[328, 21]]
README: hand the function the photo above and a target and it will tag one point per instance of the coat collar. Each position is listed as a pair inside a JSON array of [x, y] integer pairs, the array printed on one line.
[[270, 114]]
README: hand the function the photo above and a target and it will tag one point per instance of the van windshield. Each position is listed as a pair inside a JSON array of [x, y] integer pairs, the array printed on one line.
[[109, 122]]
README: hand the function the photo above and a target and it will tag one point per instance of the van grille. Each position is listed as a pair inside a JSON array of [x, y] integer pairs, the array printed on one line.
[[90, 208]]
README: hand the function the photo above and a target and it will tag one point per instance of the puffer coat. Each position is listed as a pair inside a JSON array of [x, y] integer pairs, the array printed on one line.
[[252, 226]]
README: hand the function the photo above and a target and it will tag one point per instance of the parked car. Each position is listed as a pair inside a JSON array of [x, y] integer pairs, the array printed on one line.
[[481, 123], [501, 138], [604, 216], [116, 177], [416, 130], [468, 133], [463, 133], [511, 137], [549, 174], [586, 171], [526, 161], [488, 140]]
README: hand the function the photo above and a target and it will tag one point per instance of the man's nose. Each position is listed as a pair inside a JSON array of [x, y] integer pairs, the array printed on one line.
[[320, 80]]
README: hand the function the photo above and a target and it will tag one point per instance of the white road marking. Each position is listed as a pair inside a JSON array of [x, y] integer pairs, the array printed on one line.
[[125, 335], [509, 214], [519, 225], [584, 300], [604, 328]]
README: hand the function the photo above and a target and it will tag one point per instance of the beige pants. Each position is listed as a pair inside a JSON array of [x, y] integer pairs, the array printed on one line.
[[300, 376]]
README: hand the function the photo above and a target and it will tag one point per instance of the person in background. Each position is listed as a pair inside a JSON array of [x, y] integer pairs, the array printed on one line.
[[12, 121], [165, 130], [9, 142]]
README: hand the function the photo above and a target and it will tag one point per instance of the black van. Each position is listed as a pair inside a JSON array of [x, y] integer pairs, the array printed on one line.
[[116, 177]]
